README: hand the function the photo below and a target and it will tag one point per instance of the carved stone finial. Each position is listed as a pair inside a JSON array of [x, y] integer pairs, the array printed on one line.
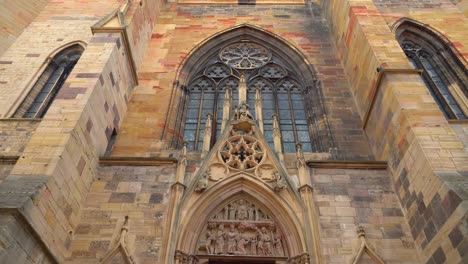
[[277, 137], [207, 134], [242, 90], [182, 163], [259, 108], [300, 155], [226, 107]]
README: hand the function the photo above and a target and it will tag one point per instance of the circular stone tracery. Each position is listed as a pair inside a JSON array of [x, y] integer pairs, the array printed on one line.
[[242, 152], [245, 55]]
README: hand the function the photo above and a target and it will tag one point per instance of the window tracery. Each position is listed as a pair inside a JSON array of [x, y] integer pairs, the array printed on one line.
[[444, 75], [268, 83], [41, 96]]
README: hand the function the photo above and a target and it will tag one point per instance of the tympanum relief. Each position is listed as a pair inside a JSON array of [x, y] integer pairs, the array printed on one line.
[[241, 228]]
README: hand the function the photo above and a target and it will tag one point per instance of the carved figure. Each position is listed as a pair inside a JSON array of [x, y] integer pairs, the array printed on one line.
[[209, 243], [279, 183], [242, 213], [278, 245], [250, 213], [264, 242], [243, 112], [203, 182], [232, 212], [241, 243], [253, 246], [232, 240], [220, 236]]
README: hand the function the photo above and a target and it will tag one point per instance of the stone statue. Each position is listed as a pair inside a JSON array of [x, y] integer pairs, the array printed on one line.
[[264, 242], [203, 182], [232, 212], [279, 183], [220, 236], [241, 243], [253, 246], [244, 112], [278, 245], [232, 240], [250, 213], [242, 213], [209, 243]]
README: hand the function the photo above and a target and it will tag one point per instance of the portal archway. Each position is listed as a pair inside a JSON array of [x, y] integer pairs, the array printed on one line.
[[247, 209]]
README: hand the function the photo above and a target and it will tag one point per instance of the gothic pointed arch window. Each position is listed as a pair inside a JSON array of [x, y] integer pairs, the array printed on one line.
[[49, 83], [270, 83], [444, 74]]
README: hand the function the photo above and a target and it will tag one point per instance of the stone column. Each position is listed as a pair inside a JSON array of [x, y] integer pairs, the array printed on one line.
[[227, 105], [277, 137], [242, 90], [207, 135], [307, 196], [258, 109]]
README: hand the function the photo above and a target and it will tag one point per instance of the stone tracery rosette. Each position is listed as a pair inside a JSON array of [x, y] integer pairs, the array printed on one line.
[[242, 152], [245, 55], [241, 228]]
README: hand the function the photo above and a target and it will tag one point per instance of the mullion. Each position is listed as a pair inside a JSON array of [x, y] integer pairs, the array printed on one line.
[[200, 109]]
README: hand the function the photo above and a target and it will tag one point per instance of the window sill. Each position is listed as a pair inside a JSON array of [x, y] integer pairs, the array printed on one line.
[[21, 119], [458, 121]]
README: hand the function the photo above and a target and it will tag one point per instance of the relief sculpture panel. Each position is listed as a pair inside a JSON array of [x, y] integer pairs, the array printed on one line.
[[241, 228]]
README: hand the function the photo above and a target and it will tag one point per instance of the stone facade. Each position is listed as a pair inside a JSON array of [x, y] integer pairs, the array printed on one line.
[[104, 178]]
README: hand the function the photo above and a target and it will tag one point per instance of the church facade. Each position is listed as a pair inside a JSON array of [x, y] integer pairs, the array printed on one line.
[[234, 131]]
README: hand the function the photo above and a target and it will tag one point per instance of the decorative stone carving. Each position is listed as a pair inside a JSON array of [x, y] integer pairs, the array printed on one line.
[[218, 171], [301, 259], [245, 55], [242, 112], [242, 152], [279, 183], [184, 258], [203, 182], [241, 228]]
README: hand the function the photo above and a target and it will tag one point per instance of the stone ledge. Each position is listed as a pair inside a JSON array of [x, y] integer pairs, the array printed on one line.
[[8, 159], [345, 164], [136, 161], [16, 190]]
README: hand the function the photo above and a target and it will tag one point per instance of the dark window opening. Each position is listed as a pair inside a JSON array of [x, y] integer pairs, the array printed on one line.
[[48, 85]]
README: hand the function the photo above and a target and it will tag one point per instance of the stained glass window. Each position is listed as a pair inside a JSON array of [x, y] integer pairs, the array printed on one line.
[[281, 93]]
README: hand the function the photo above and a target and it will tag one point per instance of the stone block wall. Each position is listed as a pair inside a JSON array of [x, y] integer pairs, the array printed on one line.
[[14, 135], [49, 184], [19, 244], [15, 17], [139, 192], [348, 198], [427, 162]]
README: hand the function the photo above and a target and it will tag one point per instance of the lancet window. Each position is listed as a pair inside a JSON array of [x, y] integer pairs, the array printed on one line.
[[47, 86], [271, 88], [443, 73]]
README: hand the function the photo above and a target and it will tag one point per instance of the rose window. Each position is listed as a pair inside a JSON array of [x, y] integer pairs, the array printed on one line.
[[242, 152], [245, 55]]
